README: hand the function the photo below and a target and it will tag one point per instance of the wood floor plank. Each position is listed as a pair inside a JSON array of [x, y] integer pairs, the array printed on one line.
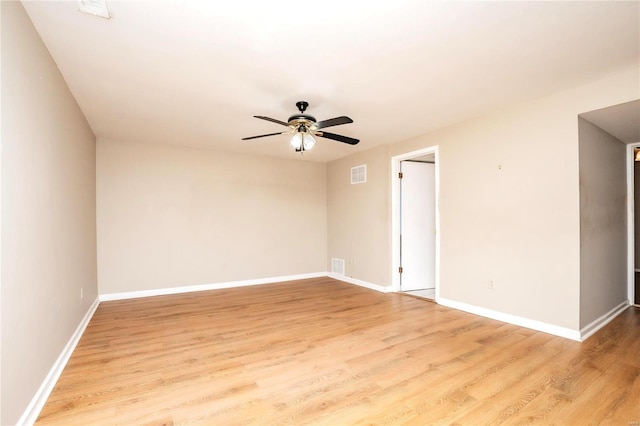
[[321, 351]]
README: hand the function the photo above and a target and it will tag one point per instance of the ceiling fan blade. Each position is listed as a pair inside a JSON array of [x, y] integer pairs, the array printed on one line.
[[262, 136], [339, 138], [334, 122], [273, 120]]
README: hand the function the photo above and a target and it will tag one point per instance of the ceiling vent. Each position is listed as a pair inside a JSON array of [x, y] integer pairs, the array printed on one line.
[[94, 7], [359, 174]]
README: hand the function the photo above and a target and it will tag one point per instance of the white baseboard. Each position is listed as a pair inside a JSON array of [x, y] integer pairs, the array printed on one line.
[[340, 277], [588, 330], [513, 319], [204, 287], [40, 398]]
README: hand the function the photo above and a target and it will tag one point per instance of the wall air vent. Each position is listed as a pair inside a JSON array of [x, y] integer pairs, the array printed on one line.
[[337, 266], [359, 174], [94, 7]]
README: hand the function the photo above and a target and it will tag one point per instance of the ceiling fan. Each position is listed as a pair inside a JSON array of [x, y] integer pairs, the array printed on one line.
[[304, 127]]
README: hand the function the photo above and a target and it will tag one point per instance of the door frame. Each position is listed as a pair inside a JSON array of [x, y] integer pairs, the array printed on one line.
[[395, 214], [631, 255]]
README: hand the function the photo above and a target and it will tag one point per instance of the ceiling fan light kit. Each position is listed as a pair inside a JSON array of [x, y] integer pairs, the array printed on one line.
[[304, 127], [302, 141]]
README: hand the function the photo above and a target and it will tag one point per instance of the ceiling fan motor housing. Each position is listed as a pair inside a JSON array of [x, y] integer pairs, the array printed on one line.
[[302, 118], [298, 118]]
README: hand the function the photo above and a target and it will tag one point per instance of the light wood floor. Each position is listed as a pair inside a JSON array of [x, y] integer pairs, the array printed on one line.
[[425, 294], [324, 352]]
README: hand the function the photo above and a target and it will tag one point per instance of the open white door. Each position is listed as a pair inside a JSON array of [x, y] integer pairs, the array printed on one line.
[[417, 225]]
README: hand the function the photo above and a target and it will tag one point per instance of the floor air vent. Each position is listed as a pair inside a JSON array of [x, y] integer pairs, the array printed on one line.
[[337, 266]]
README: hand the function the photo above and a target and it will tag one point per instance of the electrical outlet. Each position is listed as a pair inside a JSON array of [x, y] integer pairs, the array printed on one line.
[[491, 284]]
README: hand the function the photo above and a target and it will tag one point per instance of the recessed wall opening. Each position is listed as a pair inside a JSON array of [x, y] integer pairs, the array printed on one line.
[[601, 132]]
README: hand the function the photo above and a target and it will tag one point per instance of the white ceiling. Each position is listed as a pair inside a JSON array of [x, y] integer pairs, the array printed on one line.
[[195, 72]]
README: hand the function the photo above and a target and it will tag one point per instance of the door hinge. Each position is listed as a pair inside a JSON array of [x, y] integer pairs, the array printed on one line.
[[400, 269], [400, 175]]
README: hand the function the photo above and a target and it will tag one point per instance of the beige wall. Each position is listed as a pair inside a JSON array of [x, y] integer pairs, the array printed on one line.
[[603, 222], [358, 216], [509, 204], [1, 134], [48, 213], [174, 216], [636, 212]]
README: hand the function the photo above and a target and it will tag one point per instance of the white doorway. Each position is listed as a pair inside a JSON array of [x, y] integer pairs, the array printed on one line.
[[415, 223]]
